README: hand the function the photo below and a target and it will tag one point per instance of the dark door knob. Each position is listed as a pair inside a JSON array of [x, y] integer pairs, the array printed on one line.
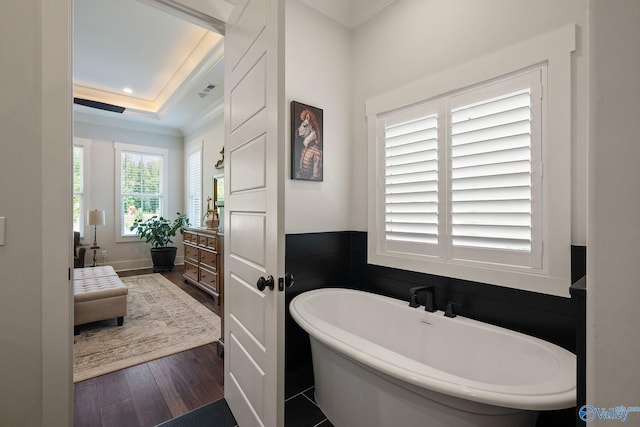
[[265, 283]]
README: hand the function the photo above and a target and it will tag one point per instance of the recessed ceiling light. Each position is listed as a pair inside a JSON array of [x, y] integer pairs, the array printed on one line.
[[127, 90]]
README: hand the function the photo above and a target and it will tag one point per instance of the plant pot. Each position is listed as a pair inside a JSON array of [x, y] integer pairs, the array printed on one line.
[[163, 258]]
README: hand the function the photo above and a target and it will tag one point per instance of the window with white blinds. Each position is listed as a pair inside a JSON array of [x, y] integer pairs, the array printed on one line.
[[194, 176], [141, 183], [78, 189], [462, 174], [81, 156]]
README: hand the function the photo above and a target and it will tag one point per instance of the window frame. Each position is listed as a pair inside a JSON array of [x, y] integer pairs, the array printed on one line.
[[85, 144], [119, 149], [552, 49]]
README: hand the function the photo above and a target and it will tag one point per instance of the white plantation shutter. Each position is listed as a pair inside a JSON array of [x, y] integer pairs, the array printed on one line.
[[462, 174], [494, 143], [411, 179], [195, 188]]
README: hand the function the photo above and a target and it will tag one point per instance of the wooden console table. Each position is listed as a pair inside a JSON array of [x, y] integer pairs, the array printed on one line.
[[204, 266]]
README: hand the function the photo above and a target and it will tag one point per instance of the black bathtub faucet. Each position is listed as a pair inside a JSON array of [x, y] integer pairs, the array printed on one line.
[[452, 309], [430, 291]]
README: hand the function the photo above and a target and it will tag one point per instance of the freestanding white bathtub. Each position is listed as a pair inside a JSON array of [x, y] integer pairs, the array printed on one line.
[[379, 362]]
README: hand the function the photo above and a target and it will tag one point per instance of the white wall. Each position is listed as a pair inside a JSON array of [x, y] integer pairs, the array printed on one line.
[[318, 73], [135, 254], [21, 290], [211, 138], [613, 287], [35, 162], [411, 39]]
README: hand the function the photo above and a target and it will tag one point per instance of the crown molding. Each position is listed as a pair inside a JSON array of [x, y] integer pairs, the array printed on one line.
[[214, 54], [92, 117]]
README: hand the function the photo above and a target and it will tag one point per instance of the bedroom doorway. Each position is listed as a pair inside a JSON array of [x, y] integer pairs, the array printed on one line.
[[157, 390]]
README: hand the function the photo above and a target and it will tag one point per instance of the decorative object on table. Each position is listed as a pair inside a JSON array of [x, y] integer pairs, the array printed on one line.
[[158, 231], [306, 142], [220, 163], [95, 217], [161, 320], [211, 218]]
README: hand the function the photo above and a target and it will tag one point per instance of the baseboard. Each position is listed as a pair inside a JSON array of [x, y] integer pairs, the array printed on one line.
[[137, 264]]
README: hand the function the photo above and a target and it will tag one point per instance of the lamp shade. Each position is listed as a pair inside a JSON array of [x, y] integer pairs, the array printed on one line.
[[95, 217]]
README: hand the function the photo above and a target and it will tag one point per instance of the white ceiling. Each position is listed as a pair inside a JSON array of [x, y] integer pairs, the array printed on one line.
[[349, 13], [167, 61]]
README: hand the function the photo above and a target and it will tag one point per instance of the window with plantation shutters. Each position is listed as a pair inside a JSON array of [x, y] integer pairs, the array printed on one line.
[[411, 179], [494, 174], [462, 174], [470, 168]]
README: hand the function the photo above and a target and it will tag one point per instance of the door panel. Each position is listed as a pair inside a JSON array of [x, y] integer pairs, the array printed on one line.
[[248, 97], [245, 31], [247, 174], [249, 309], [249, 240], [247, 374], [254, 232]]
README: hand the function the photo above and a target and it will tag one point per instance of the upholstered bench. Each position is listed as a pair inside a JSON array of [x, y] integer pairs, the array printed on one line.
[[98, 294]]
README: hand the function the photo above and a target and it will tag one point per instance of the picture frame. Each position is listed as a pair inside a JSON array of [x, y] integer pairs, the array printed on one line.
[[218, 199], [218, 190], [306, 142]]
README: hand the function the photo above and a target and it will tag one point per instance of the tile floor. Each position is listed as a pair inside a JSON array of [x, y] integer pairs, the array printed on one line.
[[301, 411]]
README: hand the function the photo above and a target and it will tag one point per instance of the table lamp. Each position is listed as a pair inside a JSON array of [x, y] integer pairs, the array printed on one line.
[[95, 218]]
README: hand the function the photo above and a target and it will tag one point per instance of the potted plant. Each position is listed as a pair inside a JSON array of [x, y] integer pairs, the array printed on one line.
[[158, 231]]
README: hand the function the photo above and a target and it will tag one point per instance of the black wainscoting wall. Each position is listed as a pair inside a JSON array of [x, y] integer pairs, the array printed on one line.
[[339, 259], [316, 260]]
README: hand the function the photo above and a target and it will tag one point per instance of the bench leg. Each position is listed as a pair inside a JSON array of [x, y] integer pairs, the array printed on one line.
[[120, 320]]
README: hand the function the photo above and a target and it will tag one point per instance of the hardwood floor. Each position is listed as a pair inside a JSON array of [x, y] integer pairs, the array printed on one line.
[[156, 391]]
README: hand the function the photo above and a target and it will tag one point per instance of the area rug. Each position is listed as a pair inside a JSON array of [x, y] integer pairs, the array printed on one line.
[[161, 320]]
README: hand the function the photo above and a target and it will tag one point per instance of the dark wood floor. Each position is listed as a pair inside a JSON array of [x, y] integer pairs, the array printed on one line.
[[153, 392]]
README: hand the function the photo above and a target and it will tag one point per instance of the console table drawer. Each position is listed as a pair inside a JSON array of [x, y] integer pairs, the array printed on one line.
[[209, 259], [209, 279], [191, 253], [211, 242], [208, 241], [191, 270]]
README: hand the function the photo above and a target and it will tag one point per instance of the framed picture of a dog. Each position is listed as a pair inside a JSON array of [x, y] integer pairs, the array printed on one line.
[[306, 142]]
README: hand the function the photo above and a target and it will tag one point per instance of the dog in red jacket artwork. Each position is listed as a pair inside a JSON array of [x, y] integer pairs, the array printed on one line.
[[307, 160]]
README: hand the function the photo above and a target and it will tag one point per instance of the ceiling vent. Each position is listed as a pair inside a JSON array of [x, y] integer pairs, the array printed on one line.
[[204, 92], [99, 105]]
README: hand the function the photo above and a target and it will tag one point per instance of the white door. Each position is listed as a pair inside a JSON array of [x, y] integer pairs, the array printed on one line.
[[254, 231]]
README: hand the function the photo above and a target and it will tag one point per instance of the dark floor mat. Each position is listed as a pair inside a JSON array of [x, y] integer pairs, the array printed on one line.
[[215, 414]]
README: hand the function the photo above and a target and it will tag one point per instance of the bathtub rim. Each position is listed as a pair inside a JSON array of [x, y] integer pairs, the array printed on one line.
[[562, 399]]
